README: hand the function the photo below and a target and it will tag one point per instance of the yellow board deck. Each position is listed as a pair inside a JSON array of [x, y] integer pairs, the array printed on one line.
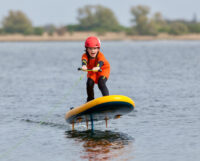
[[102, 108]]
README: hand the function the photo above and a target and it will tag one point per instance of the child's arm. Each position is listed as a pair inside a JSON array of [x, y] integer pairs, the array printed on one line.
[[100, 63], [84, 67], [84, 62]]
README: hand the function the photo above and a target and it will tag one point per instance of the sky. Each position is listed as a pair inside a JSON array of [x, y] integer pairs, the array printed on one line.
[[63, 12]]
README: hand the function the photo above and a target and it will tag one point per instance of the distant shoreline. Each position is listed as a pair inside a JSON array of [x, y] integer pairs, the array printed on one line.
[[81, 36]]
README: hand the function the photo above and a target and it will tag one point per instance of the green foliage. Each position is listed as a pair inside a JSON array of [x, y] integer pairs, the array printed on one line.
[[100, 19], [17, 22], [178, 28], [160, 23], [38, 31], [140, 12], [194, 27], [72, 28], [152, 28], [164, 29], [143, 25], [50, 29], [1, 31], [131, 31], [97, 18]]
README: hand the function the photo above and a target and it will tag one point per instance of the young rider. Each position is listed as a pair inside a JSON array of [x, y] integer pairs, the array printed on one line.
[[95, 60]]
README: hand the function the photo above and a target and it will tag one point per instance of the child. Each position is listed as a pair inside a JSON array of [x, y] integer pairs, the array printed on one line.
[[95, 60]]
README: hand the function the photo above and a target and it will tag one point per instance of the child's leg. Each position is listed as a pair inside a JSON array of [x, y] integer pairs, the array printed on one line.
[[102, 86], [90, 89]]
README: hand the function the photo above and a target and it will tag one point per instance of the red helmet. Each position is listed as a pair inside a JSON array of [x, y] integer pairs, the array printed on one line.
[[92, 41]]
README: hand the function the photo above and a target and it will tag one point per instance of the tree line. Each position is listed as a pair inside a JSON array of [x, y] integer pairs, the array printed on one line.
[[101, 19]]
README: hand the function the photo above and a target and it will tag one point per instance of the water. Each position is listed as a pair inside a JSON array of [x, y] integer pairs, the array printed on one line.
[[40, 82]]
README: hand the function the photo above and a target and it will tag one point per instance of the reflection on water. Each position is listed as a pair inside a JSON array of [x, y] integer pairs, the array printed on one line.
[[102, 145]]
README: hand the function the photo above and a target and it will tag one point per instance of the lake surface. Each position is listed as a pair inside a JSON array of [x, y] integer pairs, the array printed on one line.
[[39, 82]]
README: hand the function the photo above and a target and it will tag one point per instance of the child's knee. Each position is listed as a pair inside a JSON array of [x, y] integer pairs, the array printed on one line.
[[90, 82], [102, 82]]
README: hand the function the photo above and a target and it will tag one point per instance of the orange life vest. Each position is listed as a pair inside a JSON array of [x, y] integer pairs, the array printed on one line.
[[93, 62]]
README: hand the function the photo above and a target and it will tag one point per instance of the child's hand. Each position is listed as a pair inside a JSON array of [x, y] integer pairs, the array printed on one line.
[[96, 68], [84, 67]]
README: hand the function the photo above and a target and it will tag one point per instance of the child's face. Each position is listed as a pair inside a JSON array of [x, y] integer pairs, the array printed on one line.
[[93, 51]]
